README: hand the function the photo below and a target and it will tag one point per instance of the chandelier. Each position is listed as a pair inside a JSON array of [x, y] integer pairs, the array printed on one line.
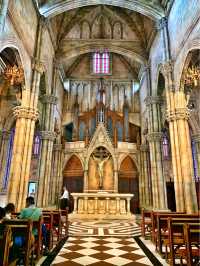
[[192, 76], [14, 74]]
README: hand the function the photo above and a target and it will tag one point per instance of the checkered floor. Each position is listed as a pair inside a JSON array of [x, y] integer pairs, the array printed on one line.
[[101, 251]]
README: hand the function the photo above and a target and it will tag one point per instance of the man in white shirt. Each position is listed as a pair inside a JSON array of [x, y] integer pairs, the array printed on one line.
[[64, 198]]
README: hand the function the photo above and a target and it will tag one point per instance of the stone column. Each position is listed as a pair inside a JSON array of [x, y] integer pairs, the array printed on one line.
[[85, 185], [196, 139], [155, 137], [55, 173], [21, 155], [177, 115], [115, 181], [45, 168], [145, 190], [3, 155], [3, 12]]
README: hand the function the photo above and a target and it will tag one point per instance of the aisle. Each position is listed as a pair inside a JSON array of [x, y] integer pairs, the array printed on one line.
[[104, 243]]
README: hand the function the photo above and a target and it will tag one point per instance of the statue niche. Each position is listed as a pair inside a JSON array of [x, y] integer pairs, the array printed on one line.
[[100, 170]]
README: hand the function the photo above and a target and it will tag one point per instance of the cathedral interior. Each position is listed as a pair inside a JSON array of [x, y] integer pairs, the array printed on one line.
[[102, 97]]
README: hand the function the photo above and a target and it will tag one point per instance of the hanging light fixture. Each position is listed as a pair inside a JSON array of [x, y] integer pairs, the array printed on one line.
[[14, 74], [192, 76]]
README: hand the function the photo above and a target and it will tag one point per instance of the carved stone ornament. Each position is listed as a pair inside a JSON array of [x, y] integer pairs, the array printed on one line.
[[57, 147], [162, 23], [178, 114], [48, 135], [154, 136], [25, 112], [143, 147], [153, 100], [38, 65], [51, 99], [167, 67]]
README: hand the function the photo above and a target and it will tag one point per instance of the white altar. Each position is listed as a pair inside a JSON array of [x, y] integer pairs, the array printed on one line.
[[102, 205]]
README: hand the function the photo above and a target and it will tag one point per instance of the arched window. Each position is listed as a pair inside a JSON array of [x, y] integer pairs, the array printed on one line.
[[36, 145], [101, 63]]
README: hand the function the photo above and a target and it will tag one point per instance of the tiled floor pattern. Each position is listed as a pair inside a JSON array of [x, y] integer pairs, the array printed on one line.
[[104, 228], [101, 251]]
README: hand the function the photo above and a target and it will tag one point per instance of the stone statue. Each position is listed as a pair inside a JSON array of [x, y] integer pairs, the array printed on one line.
[[100, 164]]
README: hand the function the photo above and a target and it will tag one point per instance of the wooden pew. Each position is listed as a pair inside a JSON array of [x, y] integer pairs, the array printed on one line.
[[145, 222], [23, 228], [38, 240], [177, 240], [64, 223], [162, 226], [192, 242], [5, 246], [48, 221]]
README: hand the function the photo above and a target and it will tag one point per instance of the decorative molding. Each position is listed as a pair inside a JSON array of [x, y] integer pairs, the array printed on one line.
[[153, 100], [154, 136], [38, 65], [178, 114], [25, 112], [196, 138], [57, 147], [167, 67], [48, 135], [51, 99], [162, 23], [144, 147]]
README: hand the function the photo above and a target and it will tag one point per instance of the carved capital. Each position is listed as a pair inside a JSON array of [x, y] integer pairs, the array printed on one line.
[[51, 99], [196, 138], [162, 23], [178, 114], [38, 65], [48, 135], [25, 112], [167, 67], [153, 100], [154, 136], [57, 147]]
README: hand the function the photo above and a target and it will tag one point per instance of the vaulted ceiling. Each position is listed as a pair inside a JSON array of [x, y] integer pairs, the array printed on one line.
[[124, 27]]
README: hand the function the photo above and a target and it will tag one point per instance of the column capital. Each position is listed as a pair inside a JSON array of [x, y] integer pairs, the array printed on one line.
[[48, 135], [196, 138], [153, 100], [178, 114], [154, 136], [25, 112], [144, 147], [48, 98], [57, 147], [167, 67], [162, 23], [38, 65]]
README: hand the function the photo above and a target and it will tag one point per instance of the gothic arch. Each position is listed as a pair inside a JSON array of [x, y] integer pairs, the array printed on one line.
[[133, 158], [13, 43], [66, 160], [154, 12]]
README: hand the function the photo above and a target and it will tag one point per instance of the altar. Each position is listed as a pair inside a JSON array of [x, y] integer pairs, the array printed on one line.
[[102, 205]]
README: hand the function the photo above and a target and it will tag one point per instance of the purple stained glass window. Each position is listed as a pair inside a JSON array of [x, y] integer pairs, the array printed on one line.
[[8, 158], [101, 63]]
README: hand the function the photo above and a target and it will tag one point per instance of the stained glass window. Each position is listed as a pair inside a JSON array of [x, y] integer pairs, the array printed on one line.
[[101, 63]]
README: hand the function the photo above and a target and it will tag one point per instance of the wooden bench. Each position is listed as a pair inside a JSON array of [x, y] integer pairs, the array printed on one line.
[[183, 234], [22, 228], [145, 222], [5, 246], [64, 223], [48, 221], [38, 247], [162, 228]]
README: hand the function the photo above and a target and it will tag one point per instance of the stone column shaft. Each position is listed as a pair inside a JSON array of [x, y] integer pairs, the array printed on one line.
[[3, 156]]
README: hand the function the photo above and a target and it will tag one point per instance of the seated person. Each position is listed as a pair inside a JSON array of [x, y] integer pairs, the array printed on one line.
[[34, 213], [9, 209], [2, 214]]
